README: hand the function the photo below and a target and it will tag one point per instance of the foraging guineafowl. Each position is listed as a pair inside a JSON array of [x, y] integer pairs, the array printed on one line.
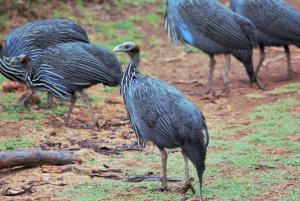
[[214, 29], [278, 24], [66, 68], [163, 115], [33, 37]]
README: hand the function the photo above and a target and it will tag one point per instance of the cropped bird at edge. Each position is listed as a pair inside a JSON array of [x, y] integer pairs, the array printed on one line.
[[214, 29], [160, 113], [67, 68], [278, 24], [31, 39]]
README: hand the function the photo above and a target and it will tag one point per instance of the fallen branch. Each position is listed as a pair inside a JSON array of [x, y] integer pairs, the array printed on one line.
[[114, 123], [77, 168], [281, 49], [170, 60], [34, 158], [17, 191], [269, 61], [92, 172], [280, 57], [140, 178], [187, 82]]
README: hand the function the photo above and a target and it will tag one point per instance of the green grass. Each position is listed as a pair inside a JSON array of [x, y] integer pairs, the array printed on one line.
[[116, 190], [16, 143], [253, 96], [60, 110], [120, 4], [95, 98], [110, 89], [287, 89]]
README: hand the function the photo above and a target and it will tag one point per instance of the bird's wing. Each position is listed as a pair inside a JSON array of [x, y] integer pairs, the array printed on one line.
[[32, 38], [274, 18], [215, 21], [153, 111], [77, 66]]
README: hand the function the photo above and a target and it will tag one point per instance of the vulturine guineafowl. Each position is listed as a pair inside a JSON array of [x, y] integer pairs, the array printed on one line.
[[31, 38], [67, 68], [214, 29], [278, 24], [163, 115]]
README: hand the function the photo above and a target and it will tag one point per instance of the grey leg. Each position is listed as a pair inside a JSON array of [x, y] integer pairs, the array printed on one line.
[[187, 181], [50, 102], [226, 73], [261, 58], [289, 64], [22, 103], [164, 158], [72, 104], [212, 63], [89, 106]]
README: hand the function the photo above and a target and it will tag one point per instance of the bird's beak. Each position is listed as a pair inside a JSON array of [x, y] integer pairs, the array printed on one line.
[[117, 49]]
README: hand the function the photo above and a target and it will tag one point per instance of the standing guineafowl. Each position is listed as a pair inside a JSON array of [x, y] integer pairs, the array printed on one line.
[[33, 37], [214, 29], [67, 68], [278, 24], [163, 115]]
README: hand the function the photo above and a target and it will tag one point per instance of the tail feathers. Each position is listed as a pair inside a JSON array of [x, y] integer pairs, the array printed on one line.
[[200, 171], [248, 28], [196, 154]]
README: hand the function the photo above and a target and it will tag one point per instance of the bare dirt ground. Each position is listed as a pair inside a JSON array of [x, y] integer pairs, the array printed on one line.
[[187, 71]]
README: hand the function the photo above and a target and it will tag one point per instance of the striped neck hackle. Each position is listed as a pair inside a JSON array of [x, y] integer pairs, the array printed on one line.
[[132, 69]]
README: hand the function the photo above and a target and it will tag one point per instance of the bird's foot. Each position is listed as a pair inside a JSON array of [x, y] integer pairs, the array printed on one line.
[[284, 79], [207, 91], [225, 90], [186, 186], [161, 188]]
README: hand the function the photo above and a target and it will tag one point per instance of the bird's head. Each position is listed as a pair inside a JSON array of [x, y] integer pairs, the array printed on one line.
[[128, 47], [21, 59]]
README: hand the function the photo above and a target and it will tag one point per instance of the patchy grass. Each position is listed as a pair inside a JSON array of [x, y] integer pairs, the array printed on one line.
[[253, 96], [110, 89], [287, 89], [16, 143], [116, 190]]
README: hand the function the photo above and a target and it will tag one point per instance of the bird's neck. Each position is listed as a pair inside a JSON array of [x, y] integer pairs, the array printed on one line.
[[12, 72], [130, 72]]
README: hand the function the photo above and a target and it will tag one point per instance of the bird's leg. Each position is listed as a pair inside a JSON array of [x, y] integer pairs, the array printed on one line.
[[261, 59], [164, 158], [187, 181], [226, 73], [50, 102], [289, 65], [72, 104], [23, 102], [89, 107], [212, 63]]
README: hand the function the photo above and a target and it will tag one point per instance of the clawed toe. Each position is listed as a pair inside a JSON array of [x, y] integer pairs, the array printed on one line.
[[185, 188]]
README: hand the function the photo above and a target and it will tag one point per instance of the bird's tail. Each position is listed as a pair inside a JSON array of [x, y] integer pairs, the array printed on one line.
[[200, 171], [248, 28], [245, 56], [197, 155]]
